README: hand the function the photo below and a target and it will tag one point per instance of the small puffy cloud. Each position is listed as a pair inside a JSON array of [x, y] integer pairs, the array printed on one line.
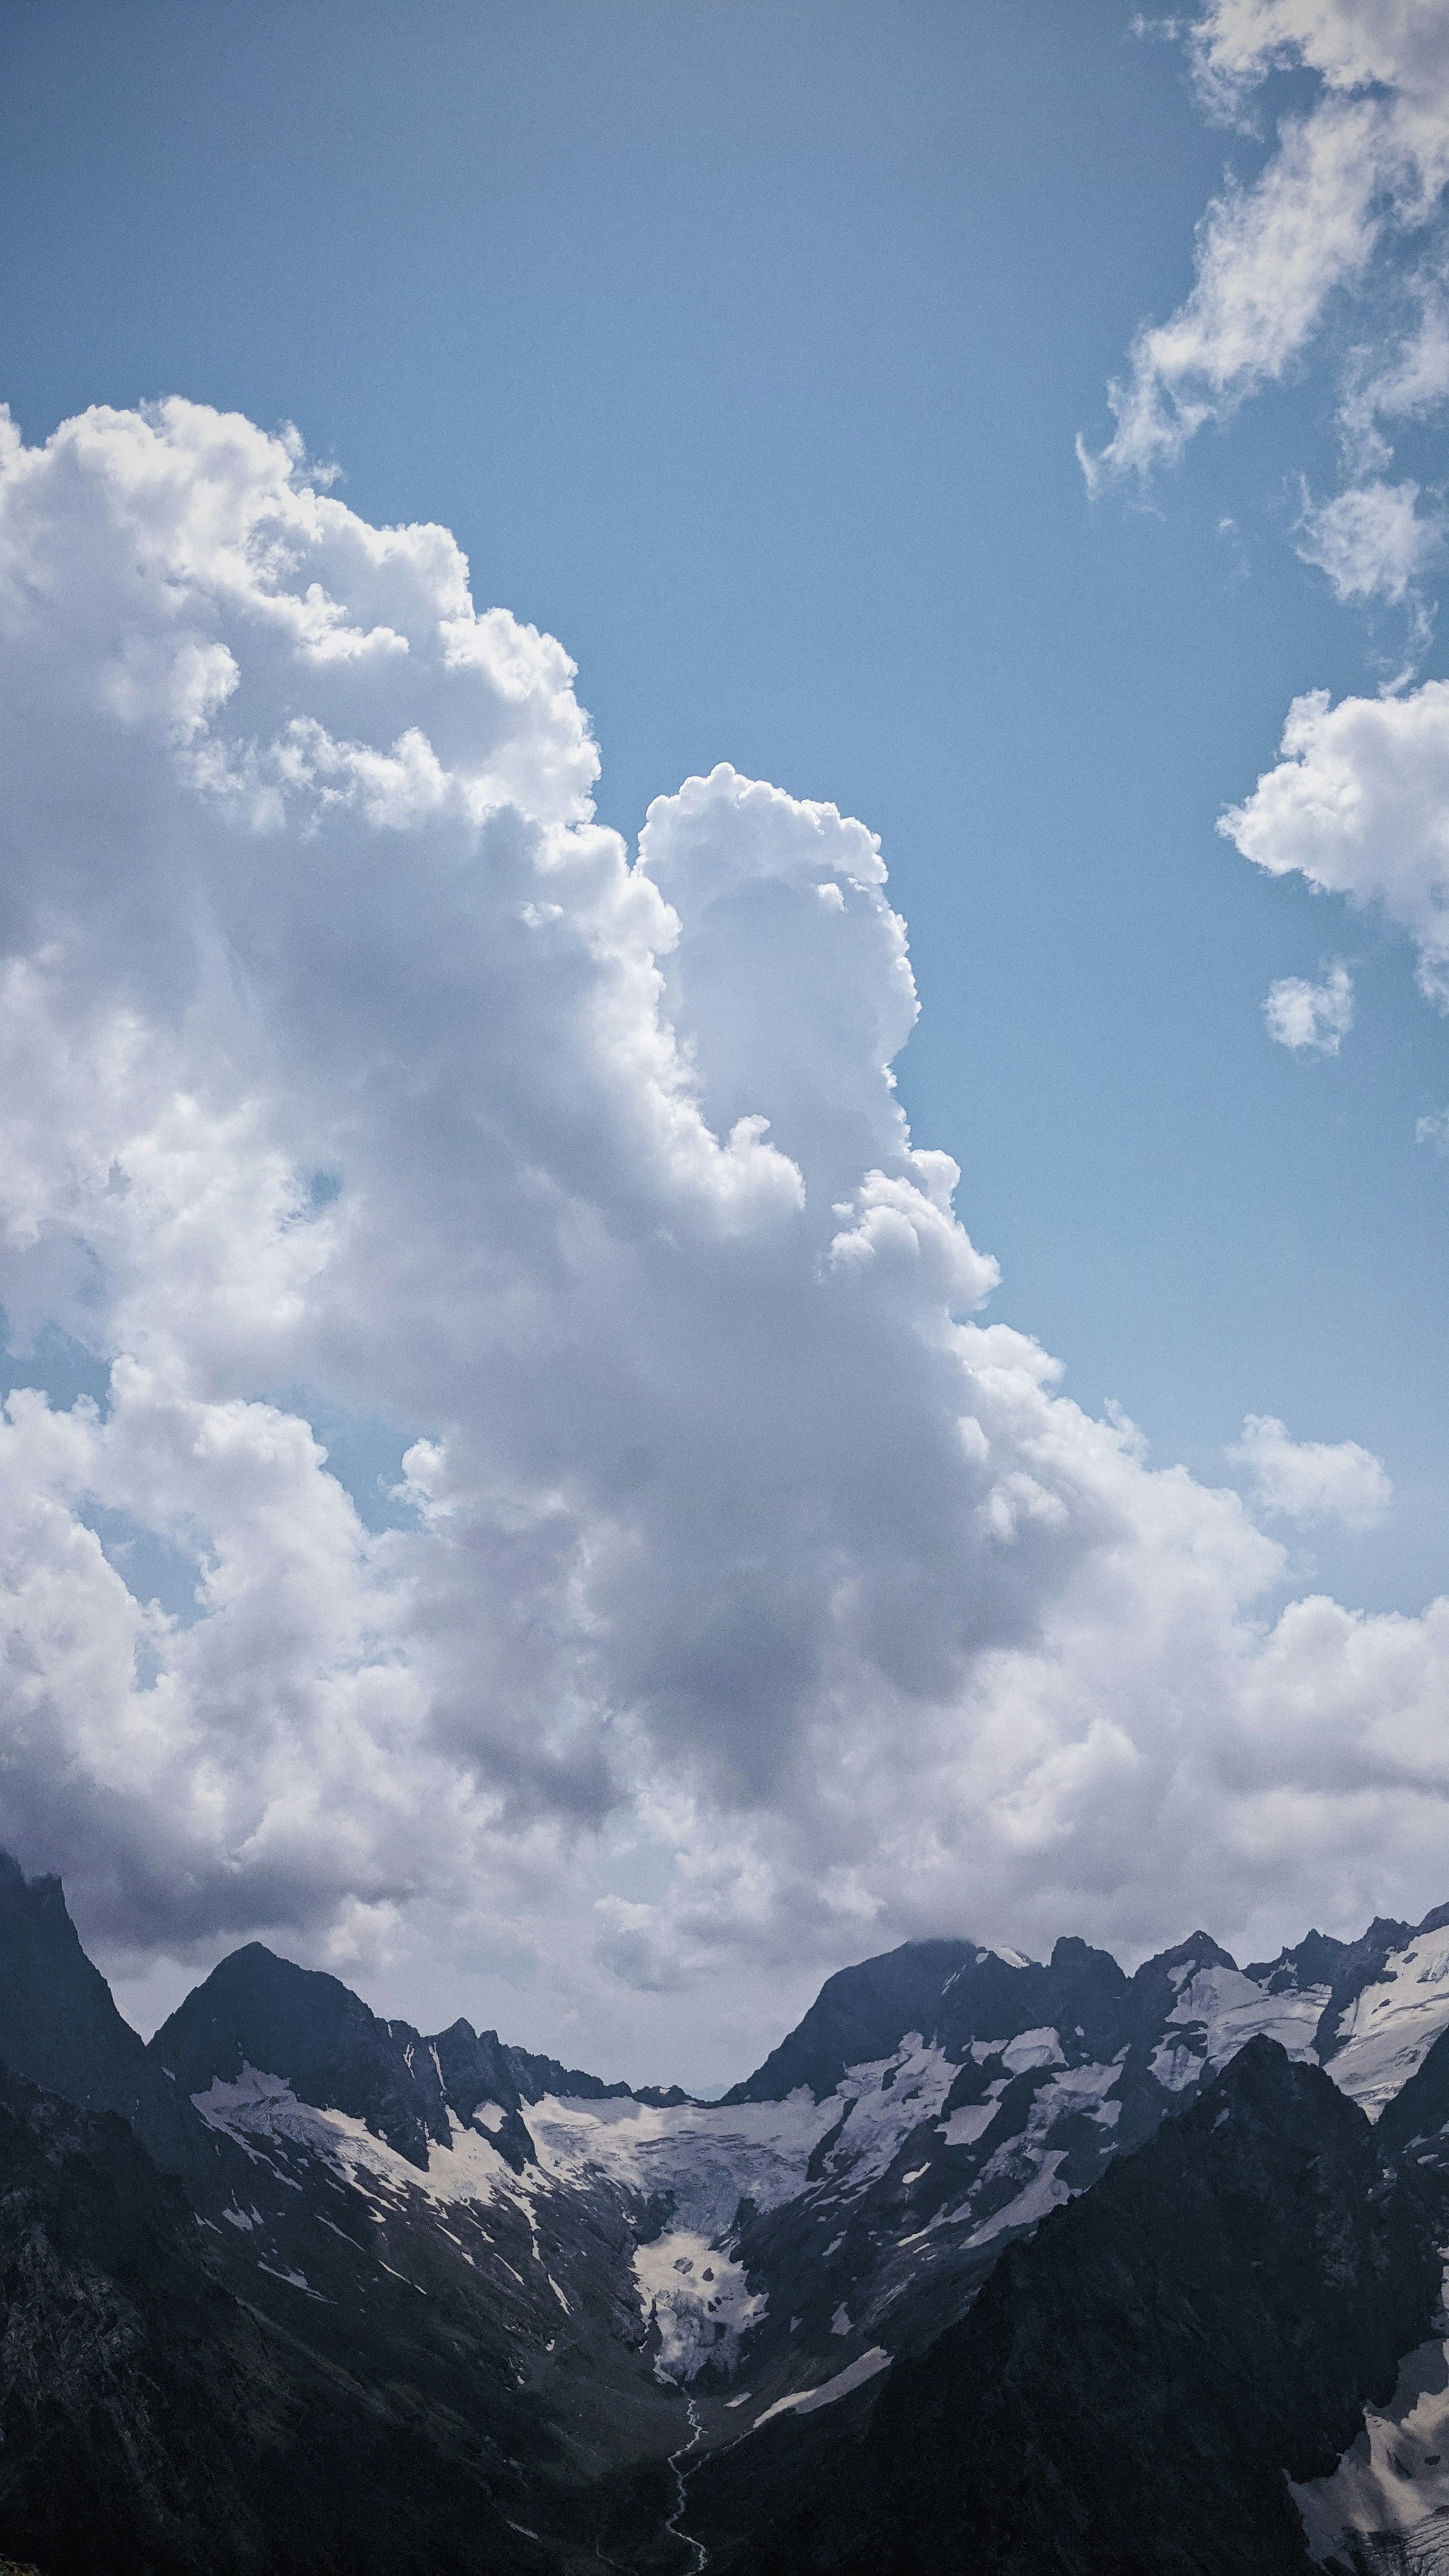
[[1312, 1479], [1359, 806], [1434, 1130], [1311, 1018]]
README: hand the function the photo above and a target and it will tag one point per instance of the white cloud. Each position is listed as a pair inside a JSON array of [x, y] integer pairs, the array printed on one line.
[[1311, 1017], [1397, 45], [1349, 183], [1312, 1479], [755, 1601], [1268, 259], [1398, 373], [1371, 540], [1359, 806], [1434, 1130]]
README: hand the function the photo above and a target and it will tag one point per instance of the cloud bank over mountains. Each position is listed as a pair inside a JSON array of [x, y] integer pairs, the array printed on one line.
[[751, 1596]]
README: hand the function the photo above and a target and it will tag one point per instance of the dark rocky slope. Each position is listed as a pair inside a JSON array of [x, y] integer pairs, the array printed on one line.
[[151, 2421], [59, 2026], [355, 2320], [1131, 2387], [436, 2295]]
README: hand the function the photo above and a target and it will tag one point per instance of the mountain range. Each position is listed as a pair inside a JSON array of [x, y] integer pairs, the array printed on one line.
[[993, 2264]]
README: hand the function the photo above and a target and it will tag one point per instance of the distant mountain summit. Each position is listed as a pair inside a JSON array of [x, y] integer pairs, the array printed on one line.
[[572, 2316], [952, 1992], [259, 2012], [256, 2010]]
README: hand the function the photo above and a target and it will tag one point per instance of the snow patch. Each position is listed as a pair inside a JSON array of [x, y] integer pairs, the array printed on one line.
[[973, 2120], [806, 2400], [1033, 2048], [1042, 2193], [1176, 2063], [699, 2299], [706, 2155], [1389, 2029], [1077, 2088], [334, 2230], [1218, 2010], [1394, 2478], [261, 2111], [294, 2281], [892, 2096]]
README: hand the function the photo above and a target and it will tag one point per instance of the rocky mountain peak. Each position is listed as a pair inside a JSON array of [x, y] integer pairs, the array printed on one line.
[[60, 2028], [256, 2010], [861, 2013]]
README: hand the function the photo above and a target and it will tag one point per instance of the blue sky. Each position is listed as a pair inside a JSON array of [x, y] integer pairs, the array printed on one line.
[[743, 349]]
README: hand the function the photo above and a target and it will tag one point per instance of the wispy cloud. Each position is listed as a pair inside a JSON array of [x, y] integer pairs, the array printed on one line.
[[1268, 259], [1372, 540], [1352, 184]]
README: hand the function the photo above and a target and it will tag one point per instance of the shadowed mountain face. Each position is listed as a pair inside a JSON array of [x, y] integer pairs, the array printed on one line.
[[1129, 2388], [947, 1990], [151, 2421], [530, 2288], [59, 2026], [258, 2010]]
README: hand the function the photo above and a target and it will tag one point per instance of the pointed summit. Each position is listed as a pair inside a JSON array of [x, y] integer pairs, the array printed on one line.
[[308, 2028], [60, 2028]]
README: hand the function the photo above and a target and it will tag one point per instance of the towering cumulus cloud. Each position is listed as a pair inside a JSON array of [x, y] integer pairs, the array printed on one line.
[[746, 1596]]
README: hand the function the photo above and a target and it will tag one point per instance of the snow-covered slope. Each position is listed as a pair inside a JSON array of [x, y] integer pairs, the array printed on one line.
[[608, 2283], [843, 2203], [502, 2230], [1384, 2033], [1387, 2503]]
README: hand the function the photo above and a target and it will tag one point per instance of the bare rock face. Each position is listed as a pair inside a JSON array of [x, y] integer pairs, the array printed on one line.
[[59, 2025], [151, 2421]]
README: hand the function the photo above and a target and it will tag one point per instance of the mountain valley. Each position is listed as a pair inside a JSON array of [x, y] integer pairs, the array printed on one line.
[[992, 2262]]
